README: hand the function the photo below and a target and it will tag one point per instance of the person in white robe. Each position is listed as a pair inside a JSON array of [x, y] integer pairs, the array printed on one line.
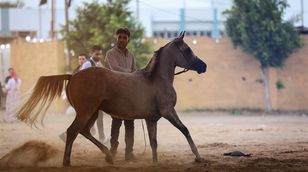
[[13, 98]]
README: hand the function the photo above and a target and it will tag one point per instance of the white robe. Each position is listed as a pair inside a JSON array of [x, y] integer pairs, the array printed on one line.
[[12, 99]]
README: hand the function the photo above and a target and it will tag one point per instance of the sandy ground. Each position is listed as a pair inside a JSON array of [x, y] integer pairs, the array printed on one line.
[[277, 142]]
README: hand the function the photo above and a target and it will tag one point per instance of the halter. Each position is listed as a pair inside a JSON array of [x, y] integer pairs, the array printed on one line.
[[187, 60]]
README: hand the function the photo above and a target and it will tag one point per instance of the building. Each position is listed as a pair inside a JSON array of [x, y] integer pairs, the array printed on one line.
[[196, 22], [31, 22]]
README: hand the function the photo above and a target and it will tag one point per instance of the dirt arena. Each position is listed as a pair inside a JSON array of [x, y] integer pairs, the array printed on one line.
[[277, 142]]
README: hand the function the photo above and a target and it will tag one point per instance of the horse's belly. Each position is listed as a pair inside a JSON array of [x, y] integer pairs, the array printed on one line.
[[127, 110]]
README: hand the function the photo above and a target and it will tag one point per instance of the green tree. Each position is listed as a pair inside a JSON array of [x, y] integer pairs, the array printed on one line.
[[96, 24], [258, 27]]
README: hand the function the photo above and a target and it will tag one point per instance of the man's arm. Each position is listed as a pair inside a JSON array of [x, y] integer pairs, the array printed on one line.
[[85, 65]]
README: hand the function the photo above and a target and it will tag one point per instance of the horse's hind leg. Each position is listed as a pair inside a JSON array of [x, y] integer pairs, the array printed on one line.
[[71, 135], [78, 124], [172, 117], [152, 130], [87, 134]]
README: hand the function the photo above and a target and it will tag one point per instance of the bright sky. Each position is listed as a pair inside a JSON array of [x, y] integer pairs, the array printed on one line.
[[143, 3], [148, 7], [295, 4]]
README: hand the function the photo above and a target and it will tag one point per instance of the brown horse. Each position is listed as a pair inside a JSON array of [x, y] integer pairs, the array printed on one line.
[[144, 94]]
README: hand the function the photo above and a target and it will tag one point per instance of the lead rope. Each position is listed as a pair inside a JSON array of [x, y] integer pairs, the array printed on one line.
[[145, 142]]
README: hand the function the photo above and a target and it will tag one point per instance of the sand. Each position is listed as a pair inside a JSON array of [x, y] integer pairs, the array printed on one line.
[[277, 142]]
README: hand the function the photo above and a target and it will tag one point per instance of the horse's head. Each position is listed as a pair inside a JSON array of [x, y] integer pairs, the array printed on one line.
[[185, 57]]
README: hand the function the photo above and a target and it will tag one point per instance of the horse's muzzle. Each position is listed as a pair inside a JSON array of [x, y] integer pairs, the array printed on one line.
[[199, 66]]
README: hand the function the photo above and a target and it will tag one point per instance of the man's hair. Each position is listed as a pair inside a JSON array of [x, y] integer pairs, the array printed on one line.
[[83, 54], [96, 48], [123, 30]]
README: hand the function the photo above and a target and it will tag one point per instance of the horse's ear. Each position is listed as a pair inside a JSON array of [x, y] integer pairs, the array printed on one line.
[[182, 34]]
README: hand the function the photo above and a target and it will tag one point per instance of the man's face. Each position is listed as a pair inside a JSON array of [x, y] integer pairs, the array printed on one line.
[[11, 71], [96, 55], [122, 40], [81, 59]]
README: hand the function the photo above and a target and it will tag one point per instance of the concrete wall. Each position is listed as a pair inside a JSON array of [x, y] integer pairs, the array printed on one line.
[[295, 77], [231, 80], [32, 60]]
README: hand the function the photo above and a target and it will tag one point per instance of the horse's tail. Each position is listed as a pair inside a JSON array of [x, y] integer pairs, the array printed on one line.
[[45, 91]]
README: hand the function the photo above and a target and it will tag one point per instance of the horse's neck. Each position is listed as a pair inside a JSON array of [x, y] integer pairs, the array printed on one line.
[[166, 67], [161, 68]]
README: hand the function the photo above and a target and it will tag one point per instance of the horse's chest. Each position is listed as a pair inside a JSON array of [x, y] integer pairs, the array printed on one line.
[[166, 96]]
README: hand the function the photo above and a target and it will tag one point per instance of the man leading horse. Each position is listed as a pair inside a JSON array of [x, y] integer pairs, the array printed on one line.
[[120, 59]]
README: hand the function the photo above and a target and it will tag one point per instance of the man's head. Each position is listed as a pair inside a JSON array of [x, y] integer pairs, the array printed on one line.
[[11, 71], [82, 58], [123, 35], [96, 53]]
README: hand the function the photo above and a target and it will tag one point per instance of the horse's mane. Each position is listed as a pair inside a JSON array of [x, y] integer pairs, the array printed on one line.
[[152, 65]]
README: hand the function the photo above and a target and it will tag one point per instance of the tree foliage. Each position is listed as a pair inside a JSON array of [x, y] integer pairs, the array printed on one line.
[[258, 27], [96, 24]]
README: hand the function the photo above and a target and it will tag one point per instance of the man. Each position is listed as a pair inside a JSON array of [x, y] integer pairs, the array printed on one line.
[[94, 60], [82, 58], [7, 78], [12, 88], [120, 59]]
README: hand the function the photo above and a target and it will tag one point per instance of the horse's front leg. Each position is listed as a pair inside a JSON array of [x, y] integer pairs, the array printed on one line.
[[172, 117], [152, 130]]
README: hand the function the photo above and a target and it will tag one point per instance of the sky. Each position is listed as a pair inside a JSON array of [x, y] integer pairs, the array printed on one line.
[[162, 4], [158, 3], [148, 7]]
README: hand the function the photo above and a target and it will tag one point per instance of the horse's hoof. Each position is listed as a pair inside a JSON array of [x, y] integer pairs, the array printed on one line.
[[201, 160], [109, 159]]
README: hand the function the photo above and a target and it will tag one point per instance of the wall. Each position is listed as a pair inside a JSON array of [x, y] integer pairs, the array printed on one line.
[[231, 80], [32, 60], [295, 78]]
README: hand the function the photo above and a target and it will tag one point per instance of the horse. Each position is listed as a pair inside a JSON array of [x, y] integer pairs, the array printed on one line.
[[147, 94]]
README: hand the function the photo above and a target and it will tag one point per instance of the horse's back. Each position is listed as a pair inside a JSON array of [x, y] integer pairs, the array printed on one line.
[[124, 94], [84, 84]]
